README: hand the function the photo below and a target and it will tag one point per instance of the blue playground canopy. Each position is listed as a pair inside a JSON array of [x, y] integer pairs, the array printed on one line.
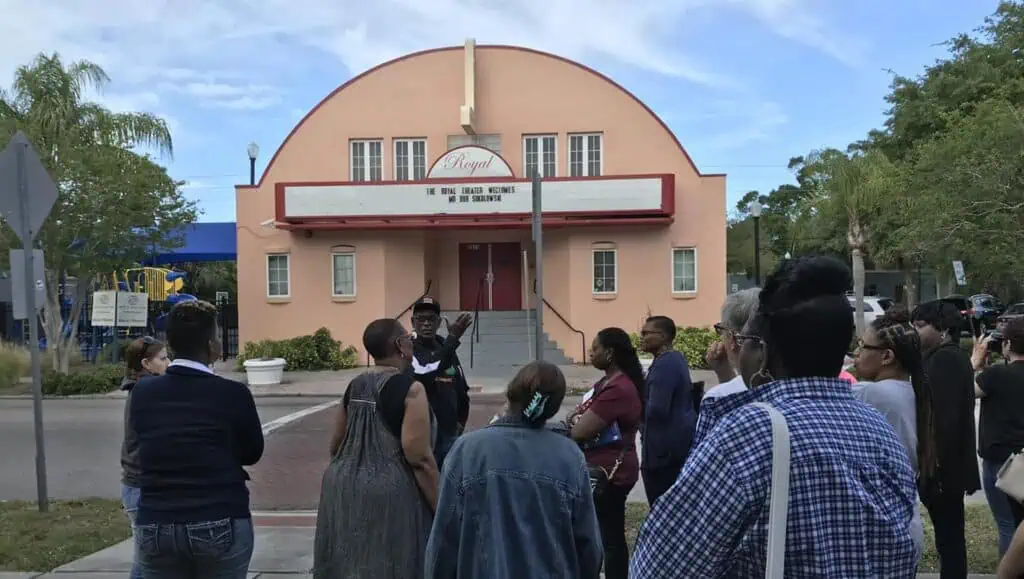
[[203, 242]]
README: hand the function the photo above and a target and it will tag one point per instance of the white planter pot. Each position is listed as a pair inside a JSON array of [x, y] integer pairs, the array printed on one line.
[[264, 372]]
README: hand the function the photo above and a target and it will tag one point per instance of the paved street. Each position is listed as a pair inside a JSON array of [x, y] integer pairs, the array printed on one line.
[[289, 475], [83, 441]]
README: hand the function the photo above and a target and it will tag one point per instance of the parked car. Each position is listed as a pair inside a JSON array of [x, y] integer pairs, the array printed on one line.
[[874, 306], [980, 311], [987, 309], [1011, 313]]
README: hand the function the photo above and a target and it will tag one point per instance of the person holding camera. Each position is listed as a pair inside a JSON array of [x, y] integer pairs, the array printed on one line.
[[1001, 424]]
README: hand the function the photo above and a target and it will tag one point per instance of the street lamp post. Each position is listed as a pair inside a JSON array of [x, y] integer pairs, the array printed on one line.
[[253, 150], [755, 212]]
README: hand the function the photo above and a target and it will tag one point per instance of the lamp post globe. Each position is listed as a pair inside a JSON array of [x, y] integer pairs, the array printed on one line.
[[253, 150]]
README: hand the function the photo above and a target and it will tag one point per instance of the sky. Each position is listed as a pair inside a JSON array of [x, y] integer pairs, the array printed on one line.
[[744, 84]]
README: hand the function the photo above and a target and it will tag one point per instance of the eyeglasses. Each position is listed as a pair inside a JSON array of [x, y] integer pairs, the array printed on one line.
[[862, 346], [749, 338], [431, 317], [721, 329]]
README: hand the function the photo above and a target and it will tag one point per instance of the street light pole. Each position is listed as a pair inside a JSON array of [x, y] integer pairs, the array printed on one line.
[[755, 212], [253, 150]]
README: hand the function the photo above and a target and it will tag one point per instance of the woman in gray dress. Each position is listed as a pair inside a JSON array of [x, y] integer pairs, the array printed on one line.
[[379, 493]]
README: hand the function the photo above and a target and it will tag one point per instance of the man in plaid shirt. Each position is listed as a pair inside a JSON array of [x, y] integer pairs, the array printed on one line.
[[852, 488]]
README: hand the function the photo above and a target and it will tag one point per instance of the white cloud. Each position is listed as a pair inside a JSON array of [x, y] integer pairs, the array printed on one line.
[[163, 54]]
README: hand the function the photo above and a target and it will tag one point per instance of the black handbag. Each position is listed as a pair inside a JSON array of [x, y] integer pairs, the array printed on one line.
[[601, 478]]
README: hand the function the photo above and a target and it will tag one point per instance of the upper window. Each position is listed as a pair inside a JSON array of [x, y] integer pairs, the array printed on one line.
[[585, 155], [366, 161], [492, 142], [278, 276], [343, 273], [539, 156], [410, 159], [684, 270], [605, 274]]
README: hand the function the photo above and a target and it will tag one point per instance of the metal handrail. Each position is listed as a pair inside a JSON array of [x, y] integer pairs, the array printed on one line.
[[406, 310], [474, 334], [583, 337]]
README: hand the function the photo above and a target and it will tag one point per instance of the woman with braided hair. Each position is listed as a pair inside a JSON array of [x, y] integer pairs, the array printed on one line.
[[889, 364]]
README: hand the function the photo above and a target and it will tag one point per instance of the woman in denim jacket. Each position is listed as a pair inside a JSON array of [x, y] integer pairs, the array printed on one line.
[[515, 497]]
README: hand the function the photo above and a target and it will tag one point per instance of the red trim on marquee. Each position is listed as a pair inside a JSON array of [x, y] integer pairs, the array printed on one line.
[[511, 173], [415, 221], [436, 222], [578, 65]]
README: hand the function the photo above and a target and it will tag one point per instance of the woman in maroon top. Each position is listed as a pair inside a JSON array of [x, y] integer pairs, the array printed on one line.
[[605, 425]]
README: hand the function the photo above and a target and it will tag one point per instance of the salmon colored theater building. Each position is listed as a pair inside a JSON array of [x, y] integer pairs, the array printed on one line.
[[414, 177]]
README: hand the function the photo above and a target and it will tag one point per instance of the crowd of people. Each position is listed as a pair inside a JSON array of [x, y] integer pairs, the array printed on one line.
[[409, 494]]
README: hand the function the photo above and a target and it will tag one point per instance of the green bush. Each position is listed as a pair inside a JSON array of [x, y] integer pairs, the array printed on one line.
[[318, 351], [693, 342], [98, 379], [14, 363]]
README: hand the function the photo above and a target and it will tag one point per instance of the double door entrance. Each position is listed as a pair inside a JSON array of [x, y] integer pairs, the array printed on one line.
[[490, 276]]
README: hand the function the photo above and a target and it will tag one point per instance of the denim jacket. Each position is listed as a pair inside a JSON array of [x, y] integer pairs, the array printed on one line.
[[514, 502]]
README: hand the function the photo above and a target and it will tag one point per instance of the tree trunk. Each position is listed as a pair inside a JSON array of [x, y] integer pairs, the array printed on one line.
[[910, 283], [857, 257]]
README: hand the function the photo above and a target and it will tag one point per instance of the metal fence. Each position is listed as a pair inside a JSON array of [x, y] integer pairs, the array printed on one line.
[[104, 344]]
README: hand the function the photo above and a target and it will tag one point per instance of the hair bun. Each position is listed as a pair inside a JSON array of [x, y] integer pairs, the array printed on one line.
[[803, 279], [897, 314]]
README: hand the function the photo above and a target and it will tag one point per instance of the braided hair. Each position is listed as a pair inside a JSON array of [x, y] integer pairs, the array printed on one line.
[[896, 333]]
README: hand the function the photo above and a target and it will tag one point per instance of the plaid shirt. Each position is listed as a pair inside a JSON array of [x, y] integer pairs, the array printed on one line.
[[851, 498]]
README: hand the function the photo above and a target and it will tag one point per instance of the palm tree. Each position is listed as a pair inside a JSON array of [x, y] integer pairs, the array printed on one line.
[[851, 189], [73, 138]]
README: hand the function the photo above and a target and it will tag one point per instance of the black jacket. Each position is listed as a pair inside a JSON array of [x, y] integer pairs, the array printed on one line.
[[446, 386], [195, 432], [951, 377]]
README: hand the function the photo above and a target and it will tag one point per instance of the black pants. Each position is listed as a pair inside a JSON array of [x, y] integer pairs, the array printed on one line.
[[658, 480], [611, 518], [947, 514]]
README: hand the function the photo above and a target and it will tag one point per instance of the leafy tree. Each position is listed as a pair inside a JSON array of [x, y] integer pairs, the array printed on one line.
[[205, 279], [969, 203], [114, 202], [851, 189]]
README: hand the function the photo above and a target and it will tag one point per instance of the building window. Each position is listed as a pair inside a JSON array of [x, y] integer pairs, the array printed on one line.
[[343, 273], [492, 142], [605, 274], [366, 161], [410, 159], [539, 156], [278, 276], [684, 270], [585, 155]]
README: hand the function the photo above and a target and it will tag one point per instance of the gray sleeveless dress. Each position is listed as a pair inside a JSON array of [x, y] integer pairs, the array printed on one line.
[[372, 521]]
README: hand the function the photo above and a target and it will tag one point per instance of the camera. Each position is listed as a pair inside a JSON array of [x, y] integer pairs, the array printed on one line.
[[995, 345]]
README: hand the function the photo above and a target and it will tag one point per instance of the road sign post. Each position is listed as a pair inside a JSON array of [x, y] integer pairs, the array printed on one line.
[[538, 265], [27, 194]]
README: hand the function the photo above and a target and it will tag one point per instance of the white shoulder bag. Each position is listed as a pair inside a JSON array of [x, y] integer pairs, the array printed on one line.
[[1010, 478], [778, 506]]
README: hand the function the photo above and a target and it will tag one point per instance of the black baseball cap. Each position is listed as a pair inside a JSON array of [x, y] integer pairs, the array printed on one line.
[[427, 303]]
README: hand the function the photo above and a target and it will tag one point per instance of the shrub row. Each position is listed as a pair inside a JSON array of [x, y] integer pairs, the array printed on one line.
[[318, 351], [98, 379], [693, 342]]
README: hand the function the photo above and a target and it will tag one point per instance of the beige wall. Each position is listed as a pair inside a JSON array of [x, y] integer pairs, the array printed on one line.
[[518, 92]]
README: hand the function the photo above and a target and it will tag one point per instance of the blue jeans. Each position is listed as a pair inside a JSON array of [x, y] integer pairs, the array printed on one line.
[[441, 448], [130, 502], [206, 550], [998, 503]]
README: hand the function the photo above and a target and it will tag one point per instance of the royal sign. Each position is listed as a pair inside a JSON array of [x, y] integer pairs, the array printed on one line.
[[468, 162]]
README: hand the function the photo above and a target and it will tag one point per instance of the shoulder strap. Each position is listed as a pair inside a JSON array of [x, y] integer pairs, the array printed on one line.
[[778, 506]]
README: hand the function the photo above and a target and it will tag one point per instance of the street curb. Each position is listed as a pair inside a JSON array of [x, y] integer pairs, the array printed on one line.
[[115, 396]]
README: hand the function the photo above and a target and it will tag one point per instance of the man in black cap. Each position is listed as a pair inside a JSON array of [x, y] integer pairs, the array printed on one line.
[[437, 367]]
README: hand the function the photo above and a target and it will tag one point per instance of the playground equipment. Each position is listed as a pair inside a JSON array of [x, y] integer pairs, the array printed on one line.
[[158, 282]]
